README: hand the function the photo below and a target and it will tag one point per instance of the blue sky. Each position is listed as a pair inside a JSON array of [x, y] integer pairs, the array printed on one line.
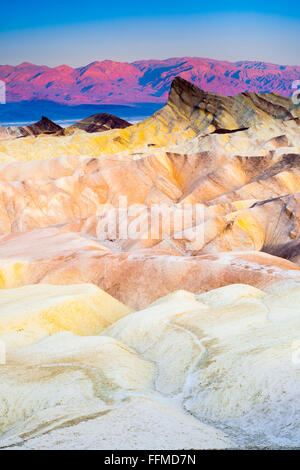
[[59, 32]]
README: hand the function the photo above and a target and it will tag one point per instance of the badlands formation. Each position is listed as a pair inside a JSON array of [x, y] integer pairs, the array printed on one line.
[[167, 335]]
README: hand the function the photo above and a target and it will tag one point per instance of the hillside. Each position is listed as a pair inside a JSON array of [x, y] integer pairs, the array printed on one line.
[[150, 280]]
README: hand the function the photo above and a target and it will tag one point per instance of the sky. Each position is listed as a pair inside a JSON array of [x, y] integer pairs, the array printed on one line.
[[75, 33]]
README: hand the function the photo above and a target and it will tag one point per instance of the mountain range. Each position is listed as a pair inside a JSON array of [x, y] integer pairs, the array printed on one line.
[[145, 81]]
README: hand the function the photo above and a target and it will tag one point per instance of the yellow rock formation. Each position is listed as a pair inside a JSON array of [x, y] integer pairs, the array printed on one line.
[[33, 312], [188, 112]]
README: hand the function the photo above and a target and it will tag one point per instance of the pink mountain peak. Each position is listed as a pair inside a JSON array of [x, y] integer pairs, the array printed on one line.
[[144, 81]]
